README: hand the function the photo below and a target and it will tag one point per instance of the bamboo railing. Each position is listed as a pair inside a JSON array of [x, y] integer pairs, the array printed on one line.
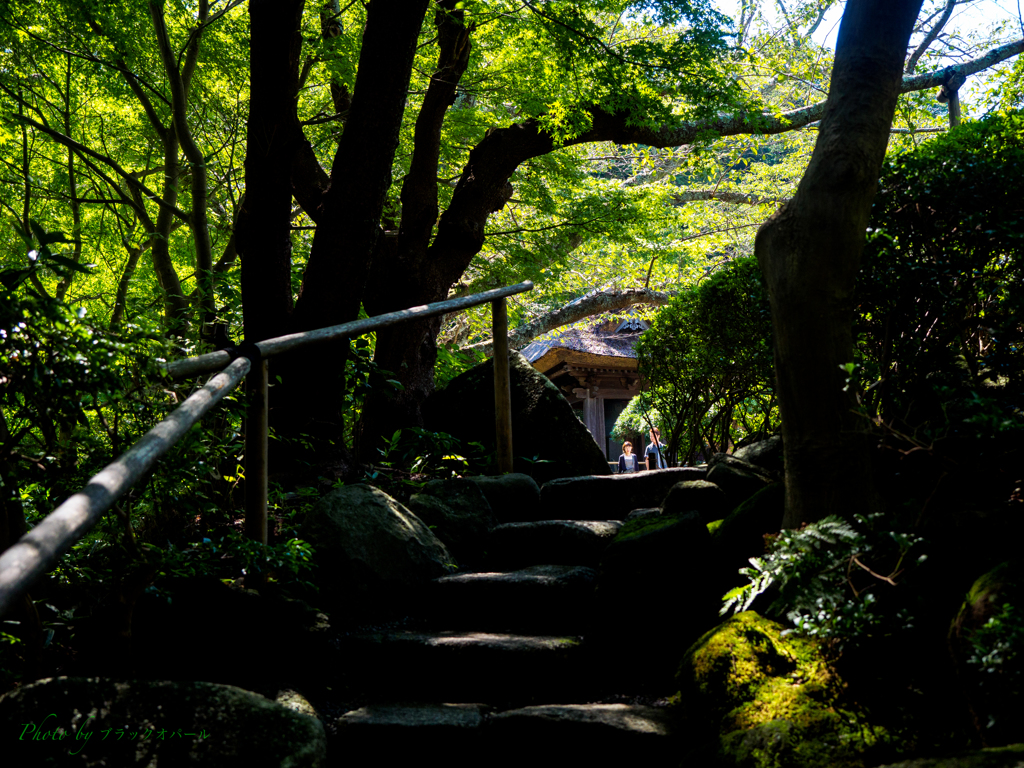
[[39, 550]]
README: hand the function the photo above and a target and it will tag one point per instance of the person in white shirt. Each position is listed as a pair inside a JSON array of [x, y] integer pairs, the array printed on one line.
[[628, 461]]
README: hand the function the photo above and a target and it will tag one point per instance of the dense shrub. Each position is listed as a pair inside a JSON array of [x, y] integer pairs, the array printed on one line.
[[941, 288], [707, 359], [54, 368]]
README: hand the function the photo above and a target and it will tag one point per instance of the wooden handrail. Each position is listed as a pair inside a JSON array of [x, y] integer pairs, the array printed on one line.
[[39, 550], [214, 361]]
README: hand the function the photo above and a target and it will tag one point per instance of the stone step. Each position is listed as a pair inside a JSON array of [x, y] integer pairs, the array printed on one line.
[[466, 666], [594, 734], [611, 496], [549, 598], [603, 734], [555, 542]]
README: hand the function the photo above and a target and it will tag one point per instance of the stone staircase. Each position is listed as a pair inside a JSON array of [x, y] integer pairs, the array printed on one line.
[[501, 667]]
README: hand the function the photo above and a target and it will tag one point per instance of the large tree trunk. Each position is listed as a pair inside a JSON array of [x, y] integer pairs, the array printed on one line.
[[348, 218], [263, 231], [810, 253], [409, 348]]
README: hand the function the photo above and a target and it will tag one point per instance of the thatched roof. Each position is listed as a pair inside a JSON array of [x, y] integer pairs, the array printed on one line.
[[607, 343]]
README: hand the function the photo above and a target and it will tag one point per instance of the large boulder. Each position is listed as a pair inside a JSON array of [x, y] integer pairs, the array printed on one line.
[[544, 425], [650, 596], [458, 514], [739, 479], [766, 454], [740, 536], [514, 498], [767, 700], [371, 551], [593, 734], [466, 665], [636, 514], [99, 721], [541, 598], [612, 497], [700, 496], [408, 731]]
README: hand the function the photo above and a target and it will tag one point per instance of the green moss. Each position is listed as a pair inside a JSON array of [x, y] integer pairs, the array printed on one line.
[[714, 525], [774, 700], [997, 757], [760, 514], [1011, 749], [984, 587], [642, 526]]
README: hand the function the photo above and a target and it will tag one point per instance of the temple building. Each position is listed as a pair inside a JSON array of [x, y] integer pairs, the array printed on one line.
[[596, 369]]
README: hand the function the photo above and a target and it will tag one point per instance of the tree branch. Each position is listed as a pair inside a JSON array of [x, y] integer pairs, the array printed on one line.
[[129, 178], [484, 185], [419, 191], [938, 77], [930, 37], [179, 84], [737, 198], [588, 306], [747, 123], [656, 175]]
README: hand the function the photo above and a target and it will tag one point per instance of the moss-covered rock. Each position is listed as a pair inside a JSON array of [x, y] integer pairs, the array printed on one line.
[[612, 497], [99, 721], [985, 639], [187, 628], [700, 496], [553, 542], [458, 514], [737, 478], [739, 537], [1011, 756], [766, 454], [741, 534], [651, 594], [372, 553], [514, 498], [773, 701]]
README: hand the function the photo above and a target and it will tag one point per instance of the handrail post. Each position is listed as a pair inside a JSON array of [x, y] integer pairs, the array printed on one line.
[[502, 388], [256, 426]]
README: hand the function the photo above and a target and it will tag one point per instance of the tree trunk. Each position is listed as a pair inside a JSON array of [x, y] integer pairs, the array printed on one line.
[[350, 212], [121, 297], [348, 218], [179, 82], [263, 230], [12, 513], [176, 309], [810, 253], [410, 347]]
